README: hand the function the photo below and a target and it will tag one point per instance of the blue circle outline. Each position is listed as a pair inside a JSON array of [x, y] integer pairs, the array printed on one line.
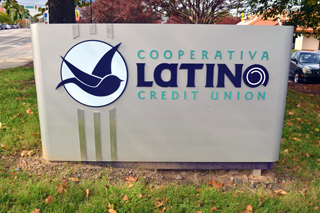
[[104, 96]]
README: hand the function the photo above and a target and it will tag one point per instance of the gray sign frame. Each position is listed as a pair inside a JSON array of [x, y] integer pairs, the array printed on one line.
[[194, 129]]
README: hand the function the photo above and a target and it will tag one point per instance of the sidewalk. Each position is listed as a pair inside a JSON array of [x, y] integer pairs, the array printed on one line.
[[14, 62]]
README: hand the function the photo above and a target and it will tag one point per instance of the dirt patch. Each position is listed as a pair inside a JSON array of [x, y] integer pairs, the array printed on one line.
[[228, 179], [305, 88], [28, 64]]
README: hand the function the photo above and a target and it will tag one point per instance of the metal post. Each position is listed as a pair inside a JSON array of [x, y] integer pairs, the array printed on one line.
[[90, 11]]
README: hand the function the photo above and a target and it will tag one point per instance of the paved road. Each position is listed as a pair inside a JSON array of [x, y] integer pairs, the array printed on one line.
[[15, 47]]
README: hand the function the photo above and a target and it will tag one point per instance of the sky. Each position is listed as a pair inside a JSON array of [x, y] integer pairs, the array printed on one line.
[[40, 3]]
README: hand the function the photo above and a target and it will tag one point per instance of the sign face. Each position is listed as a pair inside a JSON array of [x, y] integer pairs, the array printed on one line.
[[161, 93], [29, 7]]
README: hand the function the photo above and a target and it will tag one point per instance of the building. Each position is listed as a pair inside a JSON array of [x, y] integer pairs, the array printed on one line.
[[300, 43]]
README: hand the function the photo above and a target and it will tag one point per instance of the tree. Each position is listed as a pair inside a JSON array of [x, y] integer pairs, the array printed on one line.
[[15, 11], [4, 18], [304, 13], [121, 11], [194, 11]]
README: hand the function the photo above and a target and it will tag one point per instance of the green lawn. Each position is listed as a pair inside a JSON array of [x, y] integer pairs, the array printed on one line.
[[24, 192]]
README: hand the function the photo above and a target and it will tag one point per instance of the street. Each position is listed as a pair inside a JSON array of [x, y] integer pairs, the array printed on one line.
[[15, 47], [15, 43]]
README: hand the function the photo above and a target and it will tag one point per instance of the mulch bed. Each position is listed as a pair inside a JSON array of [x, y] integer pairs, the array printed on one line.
[[28, 65], [305, 88]]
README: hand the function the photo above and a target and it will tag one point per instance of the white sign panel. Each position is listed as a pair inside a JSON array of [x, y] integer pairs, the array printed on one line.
[[161, 93]]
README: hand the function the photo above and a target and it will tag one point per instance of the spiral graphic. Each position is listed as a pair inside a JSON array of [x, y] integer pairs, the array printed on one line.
[[255, 75]]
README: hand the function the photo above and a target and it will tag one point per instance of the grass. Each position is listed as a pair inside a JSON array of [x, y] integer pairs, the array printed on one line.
[[19, 130], [23, 192]]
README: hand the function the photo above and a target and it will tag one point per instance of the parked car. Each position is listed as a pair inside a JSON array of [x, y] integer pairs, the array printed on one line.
[[305, 66], [5, 26]]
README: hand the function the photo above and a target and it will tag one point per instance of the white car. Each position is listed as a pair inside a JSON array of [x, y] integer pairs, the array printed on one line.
[[5, 26]]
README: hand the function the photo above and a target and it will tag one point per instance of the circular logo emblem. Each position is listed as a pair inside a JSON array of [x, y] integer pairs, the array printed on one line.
[[94, 73]]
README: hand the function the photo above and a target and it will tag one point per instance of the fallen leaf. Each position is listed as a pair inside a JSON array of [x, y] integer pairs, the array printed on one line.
[[164, 208], [30, 153], [36, 211], [60, 188], [86, 193], [19, 115], [307, 155], [142, 195], [197, 195], [299, 105], [125, 197], [297, 139], [246, 211], [130, 185], [74, 179], [49, 199], [289, 123], [286, 151], [3, 146], [316, 129], [197, 212], [29, 111], [64, 183], [316, 208], [303, 191], [131, 179], [112, 211], [24, 153], [213, 209], [215, 184], [249, 208], [291, 113], [110, 206], [158, 204], [280, 192]]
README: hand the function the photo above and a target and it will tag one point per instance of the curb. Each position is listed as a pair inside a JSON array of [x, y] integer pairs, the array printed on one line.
[[14, 62]]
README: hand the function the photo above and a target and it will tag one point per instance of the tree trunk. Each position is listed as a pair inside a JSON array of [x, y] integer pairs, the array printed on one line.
[[61, 11]]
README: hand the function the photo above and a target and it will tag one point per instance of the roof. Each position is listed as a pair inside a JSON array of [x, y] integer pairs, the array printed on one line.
[[255, 20]]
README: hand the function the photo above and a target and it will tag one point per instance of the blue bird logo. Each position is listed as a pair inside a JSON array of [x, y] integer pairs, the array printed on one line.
[[101, 82]]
